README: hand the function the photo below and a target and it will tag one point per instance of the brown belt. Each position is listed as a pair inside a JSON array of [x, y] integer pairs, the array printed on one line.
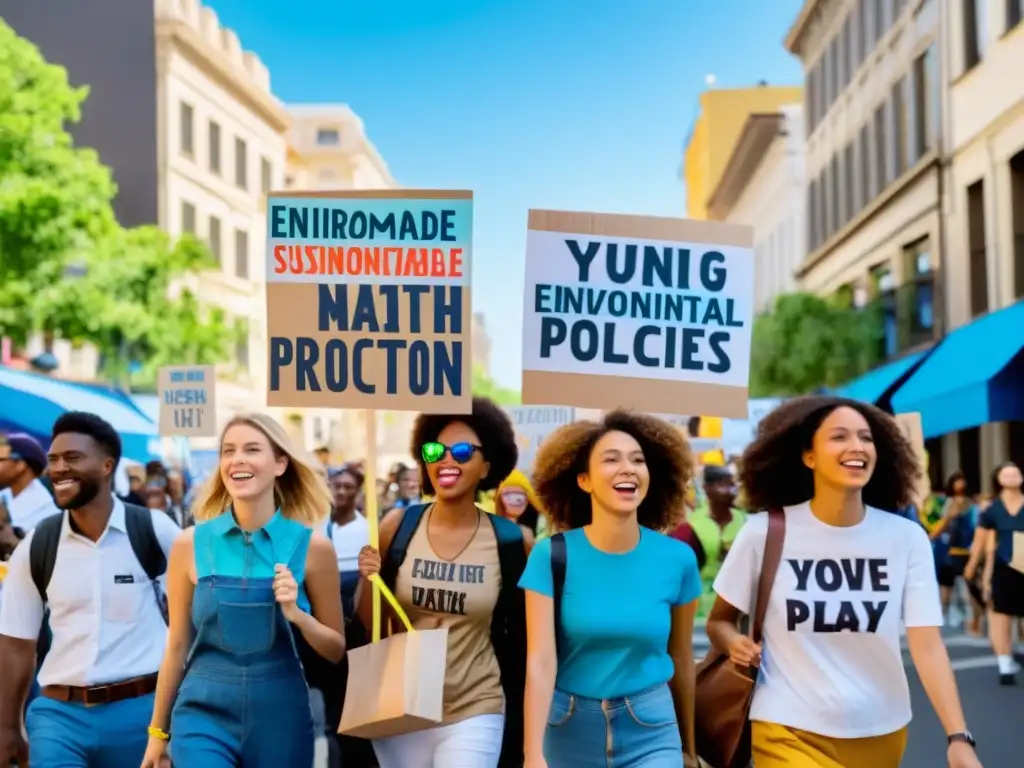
[[103, 694]]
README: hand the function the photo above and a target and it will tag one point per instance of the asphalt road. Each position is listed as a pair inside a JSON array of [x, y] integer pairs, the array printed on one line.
[[995, 714]]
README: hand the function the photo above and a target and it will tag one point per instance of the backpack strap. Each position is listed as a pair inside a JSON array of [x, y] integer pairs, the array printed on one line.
[[138, 523], [42, 553], [508, 636], [559, 558], [411, 518]]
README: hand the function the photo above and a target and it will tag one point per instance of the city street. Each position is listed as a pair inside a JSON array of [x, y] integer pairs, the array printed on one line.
[[993, 712]]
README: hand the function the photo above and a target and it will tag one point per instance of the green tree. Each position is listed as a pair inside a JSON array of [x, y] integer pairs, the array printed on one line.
[[54, 197], [807, 342], [485, 386], [66, 267]]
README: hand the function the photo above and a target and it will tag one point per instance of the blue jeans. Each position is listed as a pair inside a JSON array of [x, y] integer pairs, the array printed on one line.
[[64, 734], [638, 731]]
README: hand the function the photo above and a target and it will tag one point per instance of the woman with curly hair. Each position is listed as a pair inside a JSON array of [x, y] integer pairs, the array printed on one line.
[[451, 565], [832, 691], [610, 600]]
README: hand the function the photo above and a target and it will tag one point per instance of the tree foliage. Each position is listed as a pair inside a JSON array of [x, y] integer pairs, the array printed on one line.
[[807, 342], [485, 386], [66, 267]]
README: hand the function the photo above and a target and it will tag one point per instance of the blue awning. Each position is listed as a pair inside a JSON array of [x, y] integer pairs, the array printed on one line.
[[870, 387], [32, 403], [974, 377]]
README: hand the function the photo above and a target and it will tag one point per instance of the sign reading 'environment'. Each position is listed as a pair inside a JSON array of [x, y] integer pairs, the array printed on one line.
[[662, 305], [368, 300], [187, 406]]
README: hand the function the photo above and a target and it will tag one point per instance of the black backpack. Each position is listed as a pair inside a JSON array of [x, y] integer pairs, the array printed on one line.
[[138, 523]]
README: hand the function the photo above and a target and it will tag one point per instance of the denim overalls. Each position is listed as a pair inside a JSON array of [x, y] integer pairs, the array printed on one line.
[[243, 700]]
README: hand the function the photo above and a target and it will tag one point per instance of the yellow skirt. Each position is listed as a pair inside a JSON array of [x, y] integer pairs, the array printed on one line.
[[777, 746]]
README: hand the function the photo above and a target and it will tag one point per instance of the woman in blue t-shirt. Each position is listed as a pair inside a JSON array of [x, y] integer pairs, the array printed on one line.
[[622, 676]]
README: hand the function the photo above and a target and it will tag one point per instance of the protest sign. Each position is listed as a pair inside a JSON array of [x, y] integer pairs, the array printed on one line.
[[641, 312], [187, 400], [533, 423], [368, 299]]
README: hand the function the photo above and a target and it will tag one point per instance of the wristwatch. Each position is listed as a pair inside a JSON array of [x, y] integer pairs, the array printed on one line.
[[965, 736]]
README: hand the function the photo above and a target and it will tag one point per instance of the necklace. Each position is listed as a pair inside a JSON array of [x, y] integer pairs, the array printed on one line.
[[465, 546]]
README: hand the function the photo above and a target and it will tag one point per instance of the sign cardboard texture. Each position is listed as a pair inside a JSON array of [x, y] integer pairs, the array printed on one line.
[[188, 406], [368, 300], [637, 312]]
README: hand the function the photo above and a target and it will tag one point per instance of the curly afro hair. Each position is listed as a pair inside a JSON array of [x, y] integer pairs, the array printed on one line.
[[492, 426], [773, 473], [565, 455]]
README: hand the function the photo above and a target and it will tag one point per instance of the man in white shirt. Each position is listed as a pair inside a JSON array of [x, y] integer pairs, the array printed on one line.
[[108, 632], [22, 463]]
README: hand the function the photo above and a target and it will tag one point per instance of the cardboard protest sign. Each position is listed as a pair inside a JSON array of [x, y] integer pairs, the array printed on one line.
[[533, 423], [187, 395], [640, 312], [368, 299]]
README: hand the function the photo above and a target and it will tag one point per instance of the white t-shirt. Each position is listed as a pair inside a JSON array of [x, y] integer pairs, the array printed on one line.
[[831, 659], [348, 539]]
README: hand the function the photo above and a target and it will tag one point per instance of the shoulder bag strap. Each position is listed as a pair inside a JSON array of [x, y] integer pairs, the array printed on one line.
[[559, 558], [769, 568]]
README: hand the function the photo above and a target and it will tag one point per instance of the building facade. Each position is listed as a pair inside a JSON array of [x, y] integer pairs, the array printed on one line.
[[763, 186], [721, 116], [221, 148], [874, 105], [985, 186]]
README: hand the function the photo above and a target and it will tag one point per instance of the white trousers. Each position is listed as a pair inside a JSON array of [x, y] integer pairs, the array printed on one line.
[[471, 743]]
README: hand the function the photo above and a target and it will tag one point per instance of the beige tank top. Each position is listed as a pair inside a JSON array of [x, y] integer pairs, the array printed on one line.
[[459, 594]]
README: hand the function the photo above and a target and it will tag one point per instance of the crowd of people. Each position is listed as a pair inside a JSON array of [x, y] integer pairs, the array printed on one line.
[[209, 625]]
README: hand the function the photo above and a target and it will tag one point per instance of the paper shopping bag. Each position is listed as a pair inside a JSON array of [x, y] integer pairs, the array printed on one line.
[[395, 684]]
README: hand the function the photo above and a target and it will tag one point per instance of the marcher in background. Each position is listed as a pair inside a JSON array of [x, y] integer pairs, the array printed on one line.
[[1003, 582], [408, 491], [108, 632], [517, 501], [618, 673], [486, 665], [22, 463], [833, 689], [247, 584], [711, 528], [136, 486], [177, 506], [951, 542]]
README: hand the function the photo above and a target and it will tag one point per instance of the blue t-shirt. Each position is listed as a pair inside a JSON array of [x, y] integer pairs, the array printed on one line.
[[616, 610], [997, 518]]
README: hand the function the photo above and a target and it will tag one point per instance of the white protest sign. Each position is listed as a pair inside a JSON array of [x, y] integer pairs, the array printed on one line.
[[637, 312], [533, 423], [187, 400]]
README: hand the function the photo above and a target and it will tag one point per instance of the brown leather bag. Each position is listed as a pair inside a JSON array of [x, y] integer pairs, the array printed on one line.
[[725, 691]]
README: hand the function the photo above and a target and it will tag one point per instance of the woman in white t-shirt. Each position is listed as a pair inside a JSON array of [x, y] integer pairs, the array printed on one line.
[[832, 690]]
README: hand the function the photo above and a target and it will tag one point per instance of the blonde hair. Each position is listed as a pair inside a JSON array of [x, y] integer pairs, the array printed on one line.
[[301, 493]]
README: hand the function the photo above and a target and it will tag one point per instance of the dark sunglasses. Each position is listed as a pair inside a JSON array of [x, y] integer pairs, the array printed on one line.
[[460, 452]]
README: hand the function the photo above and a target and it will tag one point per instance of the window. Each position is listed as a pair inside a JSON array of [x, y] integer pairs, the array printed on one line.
[[241, 164], [880, 21], [1017, 217], [843, 49], [812, 219], [242, 351], [835, 189], [1014, 13], [266, 175], [214, 141], [833, 55], [917, 300], [242, 254], [881, 286], [866, 31], [857, 26], [213, 238], [809, 96], [864, 173], [187, 128], [902, 125], [188, 218], [927, 100], [849, 187], [328, 137], [819, 207], [975, 31], [881, 171], [976, 247]]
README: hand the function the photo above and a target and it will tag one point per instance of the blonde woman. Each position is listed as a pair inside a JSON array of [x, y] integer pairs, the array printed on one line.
[[247, 582]]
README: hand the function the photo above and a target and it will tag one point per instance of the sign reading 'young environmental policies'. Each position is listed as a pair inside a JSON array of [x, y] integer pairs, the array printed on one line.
[[637, 312], [368, 300]]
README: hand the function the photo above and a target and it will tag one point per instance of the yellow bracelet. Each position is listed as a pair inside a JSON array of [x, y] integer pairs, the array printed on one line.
[[157, 733]]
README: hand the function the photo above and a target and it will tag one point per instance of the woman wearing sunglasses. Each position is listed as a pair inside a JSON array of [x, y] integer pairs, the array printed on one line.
[[450, 564]]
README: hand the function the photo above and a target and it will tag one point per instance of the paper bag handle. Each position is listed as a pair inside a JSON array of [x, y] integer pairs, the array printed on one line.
[[378, 583]]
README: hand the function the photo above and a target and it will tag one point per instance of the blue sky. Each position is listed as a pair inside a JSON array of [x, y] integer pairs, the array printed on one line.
[[565, 104]]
